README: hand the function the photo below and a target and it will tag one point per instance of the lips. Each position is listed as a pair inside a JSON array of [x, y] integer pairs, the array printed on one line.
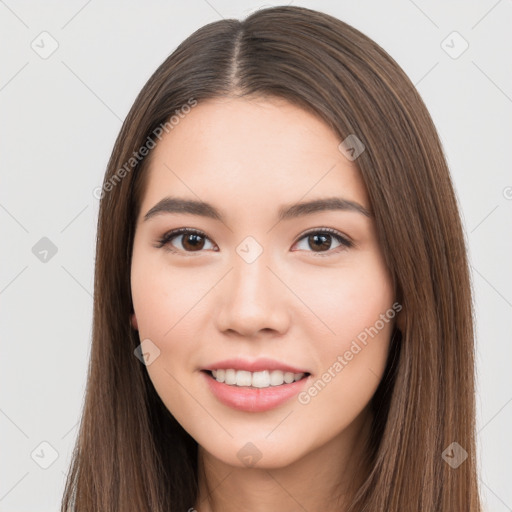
[[257, 365], [258, 398], [250, 399]]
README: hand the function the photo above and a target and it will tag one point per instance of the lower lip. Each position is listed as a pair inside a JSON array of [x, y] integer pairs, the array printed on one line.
[[253, 399]]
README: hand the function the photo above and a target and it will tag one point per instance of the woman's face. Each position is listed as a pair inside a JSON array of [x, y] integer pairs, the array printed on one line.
[[277, 288]]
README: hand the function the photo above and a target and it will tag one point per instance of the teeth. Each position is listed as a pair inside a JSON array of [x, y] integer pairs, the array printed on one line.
[[264, 379], [243, 378]]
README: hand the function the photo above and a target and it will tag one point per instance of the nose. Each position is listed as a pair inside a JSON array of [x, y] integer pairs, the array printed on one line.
[[252, 299]]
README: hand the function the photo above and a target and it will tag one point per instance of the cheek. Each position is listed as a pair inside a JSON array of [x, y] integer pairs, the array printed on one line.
[[345, 300], [352, 372], [166, 304], [352, 355], [164, 299], [171, 308]]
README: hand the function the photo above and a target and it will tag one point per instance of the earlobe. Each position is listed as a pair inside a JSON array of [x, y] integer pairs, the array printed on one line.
[[134, 322]]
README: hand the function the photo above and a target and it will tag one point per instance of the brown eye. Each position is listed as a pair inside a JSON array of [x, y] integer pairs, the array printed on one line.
[[191, 240], [320, 241]]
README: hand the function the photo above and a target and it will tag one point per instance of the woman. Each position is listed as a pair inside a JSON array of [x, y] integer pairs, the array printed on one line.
[[282, 309]]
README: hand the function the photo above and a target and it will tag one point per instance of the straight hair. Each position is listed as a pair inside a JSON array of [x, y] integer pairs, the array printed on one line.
[[130, 453]]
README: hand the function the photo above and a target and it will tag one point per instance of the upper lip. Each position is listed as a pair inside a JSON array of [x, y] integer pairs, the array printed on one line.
[[257, 365]]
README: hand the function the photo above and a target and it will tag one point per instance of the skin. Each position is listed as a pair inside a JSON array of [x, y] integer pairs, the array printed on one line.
[[293, 304]]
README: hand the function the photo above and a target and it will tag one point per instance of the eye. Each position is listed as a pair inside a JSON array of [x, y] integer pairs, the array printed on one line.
[[192, 240], [320, 239]]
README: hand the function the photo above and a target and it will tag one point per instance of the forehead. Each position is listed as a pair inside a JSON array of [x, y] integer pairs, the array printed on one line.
[[260, 151]]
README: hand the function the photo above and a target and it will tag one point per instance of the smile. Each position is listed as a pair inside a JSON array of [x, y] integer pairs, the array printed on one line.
[[254, 398], [261, 379]]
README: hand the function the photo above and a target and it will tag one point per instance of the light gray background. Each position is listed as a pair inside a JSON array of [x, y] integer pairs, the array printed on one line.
[[60, 117]]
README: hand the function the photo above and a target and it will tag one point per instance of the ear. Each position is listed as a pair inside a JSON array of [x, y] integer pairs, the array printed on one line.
[[133, 321]]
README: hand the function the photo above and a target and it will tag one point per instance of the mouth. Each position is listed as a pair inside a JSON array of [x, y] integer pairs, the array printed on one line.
[[255, 380], [254, 392]]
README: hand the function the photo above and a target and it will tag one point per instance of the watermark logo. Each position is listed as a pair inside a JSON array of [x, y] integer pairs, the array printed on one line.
[[249, 249], [44, 455], [454, 45], [44, 250], [147, 352], [351, 147], [249, 454], [45, 45], [454, 455]]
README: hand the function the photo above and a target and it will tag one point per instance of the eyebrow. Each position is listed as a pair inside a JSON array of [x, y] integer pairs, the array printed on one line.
[[203, 209]]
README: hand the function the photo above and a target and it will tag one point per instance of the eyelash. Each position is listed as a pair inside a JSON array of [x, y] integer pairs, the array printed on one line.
[[345, 243]]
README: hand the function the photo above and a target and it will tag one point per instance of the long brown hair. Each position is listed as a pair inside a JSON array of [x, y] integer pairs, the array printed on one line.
[[130, 453]]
